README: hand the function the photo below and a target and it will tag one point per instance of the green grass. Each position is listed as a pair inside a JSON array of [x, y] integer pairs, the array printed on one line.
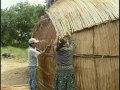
[[19, 53]]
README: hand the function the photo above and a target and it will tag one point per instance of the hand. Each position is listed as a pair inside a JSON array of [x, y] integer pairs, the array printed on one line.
[[42, 52], [42, 41], [37, 49], [57, 34], [68, 34], [50, 43], [47, 48]]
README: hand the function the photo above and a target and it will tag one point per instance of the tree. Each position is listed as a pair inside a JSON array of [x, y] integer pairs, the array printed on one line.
[[17, 23]]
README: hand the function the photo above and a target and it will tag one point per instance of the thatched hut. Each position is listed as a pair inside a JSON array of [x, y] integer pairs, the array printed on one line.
[[95, 28]]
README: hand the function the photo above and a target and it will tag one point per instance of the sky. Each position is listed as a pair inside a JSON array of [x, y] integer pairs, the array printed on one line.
[[8, 3]]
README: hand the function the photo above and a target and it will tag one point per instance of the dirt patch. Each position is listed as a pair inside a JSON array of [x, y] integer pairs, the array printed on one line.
[[14, 72]]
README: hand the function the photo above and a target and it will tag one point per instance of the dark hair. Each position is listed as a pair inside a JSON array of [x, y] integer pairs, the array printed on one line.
[[60, 44], [30, 44]]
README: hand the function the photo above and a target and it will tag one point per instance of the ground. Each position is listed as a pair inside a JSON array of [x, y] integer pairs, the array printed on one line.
[[14, 72]]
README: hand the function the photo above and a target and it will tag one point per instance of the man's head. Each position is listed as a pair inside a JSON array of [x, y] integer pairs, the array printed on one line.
[[33, 42]]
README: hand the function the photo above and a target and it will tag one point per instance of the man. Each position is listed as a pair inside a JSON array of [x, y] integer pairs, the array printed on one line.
[[32, 60]]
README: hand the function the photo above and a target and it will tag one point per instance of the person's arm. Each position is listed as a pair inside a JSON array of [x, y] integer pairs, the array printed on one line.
[[71, 40], [55, 42], [56, 39], [36, 53], [47, 48]]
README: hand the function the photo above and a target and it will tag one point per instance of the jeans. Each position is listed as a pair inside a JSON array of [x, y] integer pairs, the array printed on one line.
[[32, 77]]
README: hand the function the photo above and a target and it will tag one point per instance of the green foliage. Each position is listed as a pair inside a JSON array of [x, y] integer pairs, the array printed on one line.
[[17, 23]]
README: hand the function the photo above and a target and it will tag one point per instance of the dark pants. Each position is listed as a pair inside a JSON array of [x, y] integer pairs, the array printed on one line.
[[64, 81]]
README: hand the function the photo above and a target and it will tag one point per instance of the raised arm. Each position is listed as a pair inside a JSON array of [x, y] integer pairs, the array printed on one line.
[[71, 40], [56, 39], [47, 48]]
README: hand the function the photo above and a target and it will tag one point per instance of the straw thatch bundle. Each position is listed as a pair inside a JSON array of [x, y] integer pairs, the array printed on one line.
[[76, 15], [95, 28]]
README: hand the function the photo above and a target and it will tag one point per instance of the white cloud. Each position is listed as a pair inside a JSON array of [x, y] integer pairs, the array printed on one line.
[[8, 3]]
